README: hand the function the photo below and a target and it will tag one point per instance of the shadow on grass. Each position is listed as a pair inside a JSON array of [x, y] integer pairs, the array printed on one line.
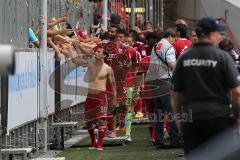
[[139, 149]]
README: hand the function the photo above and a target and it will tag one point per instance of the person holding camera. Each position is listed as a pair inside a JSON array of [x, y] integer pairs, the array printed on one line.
[[162, 62]]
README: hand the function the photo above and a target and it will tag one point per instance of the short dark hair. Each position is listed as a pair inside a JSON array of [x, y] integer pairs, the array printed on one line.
[[104, 36], [169, 32], [156, 36], [153, 38], [134, 35], [115, 26], [182, 29], [115, 19], [122, 31]]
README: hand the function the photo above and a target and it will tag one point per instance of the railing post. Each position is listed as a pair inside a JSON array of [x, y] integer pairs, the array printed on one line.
[[151, 11], [42, 126], [161, 13], [105, 14], [133, 6]]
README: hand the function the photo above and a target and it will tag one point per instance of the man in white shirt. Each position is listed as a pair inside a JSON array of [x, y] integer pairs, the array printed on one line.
[[163, 60], [161, 68]]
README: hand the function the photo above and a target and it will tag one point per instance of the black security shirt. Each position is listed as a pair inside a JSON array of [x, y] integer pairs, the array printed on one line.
[[205, 75]]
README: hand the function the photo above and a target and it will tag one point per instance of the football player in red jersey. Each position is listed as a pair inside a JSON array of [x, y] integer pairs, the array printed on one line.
[[137, 45], [181, 43]]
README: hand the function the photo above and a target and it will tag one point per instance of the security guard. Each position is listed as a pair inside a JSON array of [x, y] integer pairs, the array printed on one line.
[[203, 80]]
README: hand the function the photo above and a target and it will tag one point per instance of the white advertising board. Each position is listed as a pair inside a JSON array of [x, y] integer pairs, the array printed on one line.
[[22, 96], [23, 91]]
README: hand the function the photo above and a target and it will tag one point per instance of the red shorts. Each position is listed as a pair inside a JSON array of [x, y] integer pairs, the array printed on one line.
[[96, 107]]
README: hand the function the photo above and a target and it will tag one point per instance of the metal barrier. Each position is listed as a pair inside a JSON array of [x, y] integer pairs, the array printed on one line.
[[24, 85], [17, 15], [155, 11]]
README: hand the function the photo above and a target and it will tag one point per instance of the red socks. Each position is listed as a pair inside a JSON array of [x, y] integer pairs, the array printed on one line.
[[101, 133], [153, 132], [151, 128], [92, 136]]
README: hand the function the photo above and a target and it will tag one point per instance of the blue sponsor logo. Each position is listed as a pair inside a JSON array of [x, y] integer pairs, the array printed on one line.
[[22, 81]]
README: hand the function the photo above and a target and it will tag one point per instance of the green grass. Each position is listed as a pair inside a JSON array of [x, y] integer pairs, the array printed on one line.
[[139, 149]]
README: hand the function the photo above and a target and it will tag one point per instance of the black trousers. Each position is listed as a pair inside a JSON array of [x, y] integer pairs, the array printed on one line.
[[196, 134]]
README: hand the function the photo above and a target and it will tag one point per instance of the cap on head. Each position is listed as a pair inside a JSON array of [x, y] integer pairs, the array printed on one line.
[[209, 24]]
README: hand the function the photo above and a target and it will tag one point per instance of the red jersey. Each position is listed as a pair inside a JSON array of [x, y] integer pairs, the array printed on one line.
[[139, 46], [134, 55], [135, 58], [144, 64], [180, 45]]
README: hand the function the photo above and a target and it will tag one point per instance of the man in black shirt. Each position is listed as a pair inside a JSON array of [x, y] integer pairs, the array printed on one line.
[[203, 80]]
